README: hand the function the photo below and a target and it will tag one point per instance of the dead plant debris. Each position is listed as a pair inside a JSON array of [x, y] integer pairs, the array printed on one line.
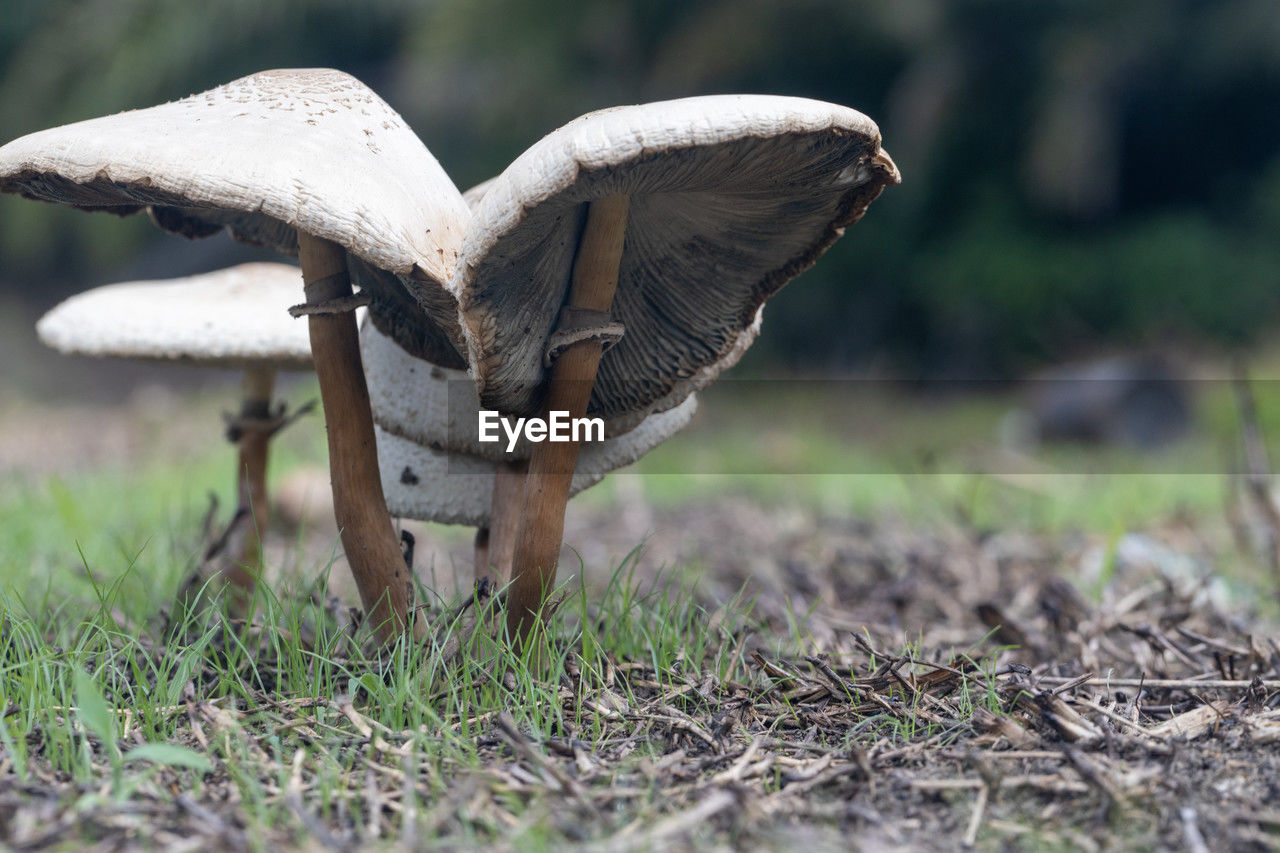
[[939, 688]]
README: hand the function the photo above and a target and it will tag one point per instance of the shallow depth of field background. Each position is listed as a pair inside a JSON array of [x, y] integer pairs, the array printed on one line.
[[1080, 180], [1077, 176], [818, 616]]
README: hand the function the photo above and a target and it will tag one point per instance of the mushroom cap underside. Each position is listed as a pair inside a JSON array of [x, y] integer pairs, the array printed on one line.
[[236, 317], [730, 198]]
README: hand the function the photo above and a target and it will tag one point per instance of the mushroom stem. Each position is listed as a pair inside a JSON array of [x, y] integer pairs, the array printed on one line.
[[368, 537], [251, 480], [482, 553], [573, 374], [504, 518]]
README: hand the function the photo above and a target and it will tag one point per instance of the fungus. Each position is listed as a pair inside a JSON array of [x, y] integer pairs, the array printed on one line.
[[658, 231], [234, 318], [436, 468], [451, 487], [423, 411], [274, 158]]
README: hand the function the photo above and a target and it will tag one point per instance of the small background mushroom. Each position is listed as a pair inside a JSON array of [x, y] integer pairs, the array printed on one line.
[[435, 468], [233, 318]]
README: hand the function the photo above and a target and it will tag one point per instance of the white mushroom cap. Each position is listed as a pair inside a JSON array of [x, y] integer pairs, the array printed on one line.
[[432, 485], [436, 406], [230, 318], [456, 488], [264, 157], [731, 197], [428, 404], [472, 196]]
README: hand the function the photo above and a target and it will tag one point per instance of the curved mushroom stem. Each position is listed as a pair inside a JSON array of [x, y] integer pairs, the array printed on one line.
[[504, 517], [251, 480], [368, 537], [573, 375]]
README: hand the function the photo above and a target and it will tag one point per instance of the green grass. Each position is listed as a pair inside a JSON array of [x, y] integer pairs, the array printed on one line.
[[126, 711], [925, 461], [95, 691], [88, 682], [887, 451]]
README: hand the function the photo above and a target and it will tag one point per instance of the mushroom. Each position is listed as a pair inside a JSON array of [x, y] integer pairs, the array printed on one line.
[[422, 411], [659, 229], [451, 487], [313, 163], [436, 468], [234, 318]]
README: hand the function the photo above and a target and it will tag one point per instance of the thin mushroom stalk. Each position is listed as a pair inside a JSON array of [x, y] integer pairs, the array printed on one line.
[[368, 536], [496, 541], [541, 527], [504, 519], [252, 433]]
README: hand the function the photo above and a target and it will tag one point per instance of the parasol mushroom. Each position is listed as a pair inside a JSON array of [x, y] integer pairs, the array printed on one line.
[[436, 468], [452, 487], [234, 318], [661, 228], [313, 163]]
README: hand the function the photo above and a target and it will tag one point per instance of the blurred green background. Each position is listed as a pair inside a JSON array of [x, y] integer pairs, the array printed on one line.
[[1078, 175], [1081, 179]]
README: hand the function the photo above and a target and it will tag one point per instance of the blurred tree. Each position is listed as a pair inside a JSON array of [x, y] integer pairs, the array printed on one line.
[[1076, 173]]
